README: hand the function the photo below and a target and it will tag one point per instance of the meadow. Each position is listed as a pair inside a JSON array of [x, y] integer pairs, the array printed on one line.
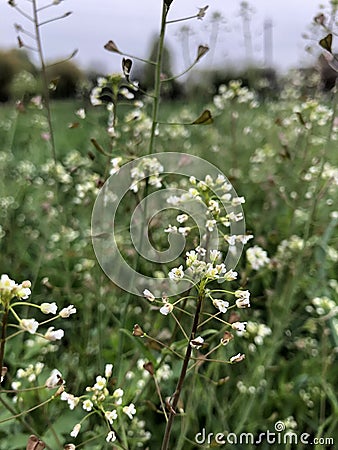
[[106, 375]]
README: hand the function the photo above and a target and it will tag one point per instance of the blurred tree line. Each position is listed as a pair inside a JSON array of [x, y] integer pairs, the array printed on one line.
[[20, 78]]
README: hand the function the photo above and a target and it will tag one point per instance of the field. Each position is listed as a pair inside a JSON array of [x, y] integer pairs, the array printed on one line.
[[225, 335], [283, 163]]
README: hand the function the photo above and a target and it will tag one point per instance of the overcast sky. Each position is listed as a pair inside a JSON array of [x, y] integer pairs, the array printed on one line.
[[132, 24]]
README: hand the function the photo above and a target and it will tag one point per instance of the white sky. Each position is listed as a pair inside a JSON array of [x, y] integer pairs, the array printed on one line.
[[132, 24]]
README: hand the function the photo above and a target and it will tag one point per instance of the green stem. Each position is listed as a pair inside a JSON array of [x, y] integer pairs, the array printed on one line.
[[157, 92], [3, 337], [44, 78], [179, 386], [157, 87]]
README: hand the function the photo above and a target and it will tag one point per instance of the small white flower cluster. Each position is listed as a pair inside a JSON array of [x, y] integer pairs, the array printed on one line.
[[221, 202], [9, 289], [147, 168], [324, 305], [313, 113], [258, 332], [234, 92], [199, 265], [30, 373], [287, 249], [99, 398], [257, 257]]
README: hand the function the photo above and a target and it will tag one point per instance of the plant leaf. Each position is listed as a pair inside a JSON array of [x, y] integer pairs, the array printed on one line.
[[201, 51], [204, 119], [326, 43], [111, 47]]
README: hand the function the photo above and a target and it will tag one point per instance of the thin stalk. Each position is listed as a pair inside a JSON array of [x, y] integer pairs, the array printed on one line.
[[44, 79], [3, 337], [157, 93], [179, 386], [157, 87]]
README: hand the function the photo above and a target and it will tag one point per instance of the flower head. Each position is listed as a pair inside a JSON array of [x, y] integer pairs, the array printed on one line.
[[130, 410], [111, 416], [30, 325], [149, 295], [176, 273], [100, 383], [166, 308], [75, 431], [197, 342], [108, 370], [111, 436], [66, 312], [52, 335], [87, 405], [49, 308], [237, 358], [54, 380]]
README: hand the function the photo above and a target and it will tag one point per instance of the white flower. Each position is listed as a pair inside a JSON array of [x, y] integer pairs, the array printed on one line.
[[49, 308], [111, 416], [184, 230], [70, 399], [237, 201], [116, 165], [6, 284], [210, 224], [214, 255], [166, 308], [211, 271], [243, 299], [197, 342], [108, 370], [81, 113], [230, 275], [239, 326], [173, 200], [149, 295], [87, 405], [237, 358], [75, 431], [30, 325], [176, 273], [23, 291], [66, 312], [54, 380], [118, 394], [171, 229], [221, 305], [257, 257], [181, 218], [129, 410], [221, 269], [111, 436], [201, 251], [52, 335], [100, 383]]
